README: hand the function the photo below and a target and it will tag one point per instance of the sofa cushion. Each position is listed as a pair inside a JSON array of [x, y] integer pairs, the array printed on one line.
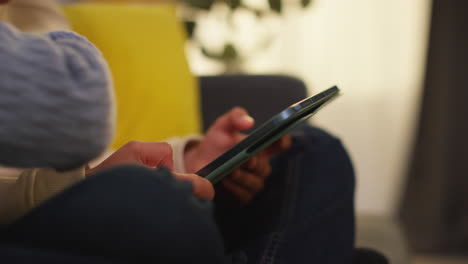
[[157, 96]]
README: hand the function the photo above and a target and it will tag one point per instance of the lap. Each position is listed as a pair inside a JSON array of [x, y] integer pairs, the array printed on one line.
[[133, 214], [126, 213]]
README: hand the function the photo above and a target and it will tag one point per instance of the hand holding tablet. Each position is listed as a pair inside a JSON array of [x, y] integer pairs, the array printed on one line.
[[265, 135]]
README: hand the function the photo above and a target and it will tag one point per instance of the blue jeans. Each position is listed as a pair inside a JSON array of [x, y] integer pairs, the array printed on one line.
[[305, 213], [131, 214]]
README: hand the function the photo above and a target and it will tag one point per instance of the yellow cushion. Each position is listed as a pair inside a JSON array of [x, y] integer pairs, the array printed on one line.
[[157, 96]]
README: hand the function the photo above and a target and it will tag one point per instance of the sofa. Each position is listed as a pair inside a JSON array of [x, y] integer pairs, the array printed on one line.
[[151, 40]]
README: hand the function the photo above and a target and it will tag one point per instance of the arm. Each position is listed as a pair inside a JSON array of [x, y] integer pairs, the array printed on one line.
[[180, 146], [32, 187], [18, 195]]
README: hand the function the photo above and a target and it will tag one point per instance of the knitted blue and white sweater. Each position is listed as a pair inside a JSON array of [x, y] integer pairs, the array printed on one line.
[[55, 100], [56, 106]]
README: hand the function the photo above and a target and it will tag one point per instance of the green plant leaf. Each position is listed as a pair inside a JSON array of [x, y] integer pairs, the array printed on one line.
[[201, 4], [305, 3], [259, 13], [230, 52], [233, 4], [211, 55], [276, 5], [190, 27]]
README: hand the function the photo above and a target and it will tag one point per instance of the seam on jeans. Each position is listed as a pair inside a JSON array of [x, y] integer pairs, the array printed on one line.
[[287, 207], [271, 249]]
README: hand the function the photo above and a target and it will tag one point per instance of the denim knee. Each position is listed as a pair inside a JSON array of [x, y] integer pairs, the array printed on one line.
[[327, 154]]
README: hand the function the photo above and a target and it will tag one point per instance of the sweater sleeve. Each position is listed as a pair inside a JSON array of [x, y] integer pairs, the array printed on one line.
[[18, 195], [178, 145], [55, 100]]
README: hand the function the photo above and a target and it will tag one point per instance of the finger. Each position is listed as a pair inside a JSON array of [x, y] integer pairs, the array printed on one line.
[[233, 121], [251, 163], [283, 144], [154, 154], [201, 187], [259, 166], [242, 194], [286, 142], [247, 180], [264, 168]]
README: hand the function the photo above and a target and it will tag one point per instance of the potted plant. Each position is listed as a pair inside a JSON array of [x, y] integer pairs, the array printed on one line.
[[230, 52]]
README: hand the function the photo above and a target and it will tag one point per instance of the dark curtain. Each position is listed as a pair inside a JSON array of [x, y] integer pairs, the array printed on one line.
[[434, 209]]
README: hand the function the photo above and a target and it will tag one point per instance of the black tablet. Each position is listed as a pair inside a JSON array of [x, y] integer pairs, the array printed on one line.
[[265, 135]]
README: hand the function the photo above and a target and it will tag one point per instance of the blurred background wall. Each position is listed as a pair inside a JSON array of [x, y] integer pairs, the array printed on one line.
[[375, 51]]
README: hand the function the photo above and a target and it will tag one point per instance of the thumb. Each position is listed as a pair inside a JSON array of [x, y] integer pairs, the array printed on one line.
[[283, 144], [156, 154], [201, 187], [237, 119]]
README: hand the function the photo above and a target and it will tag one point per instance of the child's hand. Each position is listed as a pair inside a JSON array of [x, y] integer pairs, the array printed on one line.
[[148, 154], [249, 179], [153, 154]]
